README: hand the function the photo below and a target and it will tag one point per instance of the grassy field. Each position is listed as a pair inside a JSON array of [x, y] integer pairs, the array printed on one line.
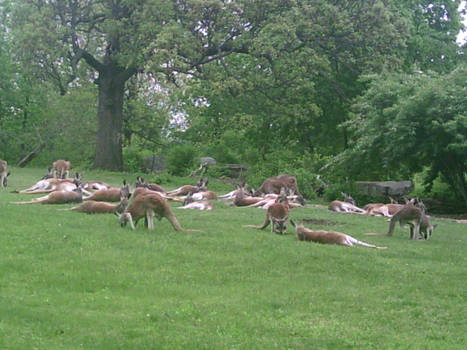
[[75, 281]]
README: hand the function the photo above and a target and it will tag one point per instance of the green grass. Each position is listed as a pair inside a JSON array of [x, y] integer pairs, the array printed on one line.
[[75, 281]]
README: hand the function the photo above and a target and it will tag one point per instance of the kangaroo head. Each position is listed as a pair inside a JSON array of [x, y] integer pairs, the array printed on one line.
[[125, 191], [348, 198], [123, 218], [429, 231], [280, 224]]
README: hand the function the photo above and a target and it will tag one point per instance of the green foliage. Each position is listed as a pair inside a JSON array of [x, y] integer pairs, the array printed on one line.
[[74, 281], [133, 158], [180, 159], [408, 122]]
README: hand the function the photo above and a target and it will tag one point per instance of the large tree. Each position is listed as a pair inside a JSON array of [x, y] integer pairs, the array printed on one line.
[[118, 38], [406, 123]]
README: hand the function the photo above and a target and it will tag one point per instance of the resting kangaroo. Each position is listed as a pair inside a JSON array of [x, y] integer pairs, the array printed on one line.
[[48, 184], [58, 197], [276, 215], [148, 205], [151, 186], [191, 203], [329, 237], [94, 207], [184, 190], [111, 194], [346, 206]]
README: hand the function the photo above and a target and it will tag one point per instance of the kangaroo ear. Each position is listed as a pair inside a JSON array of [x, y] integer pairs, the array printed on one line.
[[293, 223]]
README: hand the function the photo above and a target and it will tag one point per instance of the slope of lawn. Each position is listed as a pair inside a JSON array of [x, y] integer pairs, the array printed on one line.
[[74, 281]]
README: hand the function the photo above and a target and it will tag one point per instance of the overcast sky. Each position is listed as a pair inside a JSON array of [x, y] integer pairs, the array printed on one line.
[[462, 37]]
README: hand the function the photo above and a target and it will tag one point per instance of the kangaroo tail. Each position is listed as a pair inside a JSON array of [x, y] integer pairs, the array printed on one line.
[[176, 225], [30, 202], [363, 244]]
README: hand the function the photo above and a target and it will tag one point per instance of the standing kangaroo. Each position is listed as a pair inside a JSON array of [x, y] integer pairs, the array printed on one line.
[[414, 217], [148, 205], [276, 215], [3, 173], [329, 237], [61, 168]]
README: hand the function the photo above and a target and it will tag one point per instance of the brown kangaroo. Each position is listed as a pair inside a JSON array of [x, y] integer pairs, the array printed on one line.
[[242, 199], [329, 237], [3, 173], [184, 190], [413, 216], [346, 206], [94, 207], [61, 168], [107, 195], [58, 197], [276, 215], [150, 186], [148, 205], [191, 203]]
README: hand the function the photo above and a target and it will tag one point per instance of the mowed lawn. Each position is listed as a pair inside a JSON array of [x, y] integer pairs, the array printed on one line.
[[74, 281]]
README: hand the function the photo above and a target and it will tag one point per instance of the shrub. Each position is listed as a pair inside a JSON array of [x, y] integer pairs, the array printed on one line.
[[180, 159]]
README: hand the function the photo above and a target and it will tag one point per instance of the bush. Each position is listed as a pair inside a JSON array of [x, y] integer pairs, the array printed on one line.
[[180, 159], [133, 159]]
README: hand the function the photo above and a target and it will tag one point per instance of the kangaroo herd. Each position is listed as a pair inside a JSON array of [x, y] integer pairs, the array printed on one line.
[[277, 195]]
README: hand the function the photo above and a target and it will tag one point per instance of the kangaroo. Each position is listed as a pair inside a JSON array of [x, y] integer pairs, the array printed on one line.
[[329, 237], [48, 183], [346, 206], [58, 197], [202, 195], [4, 173], [60, 185], [190, 203], [275, 184], [61, 168], [151, 186], [184, 190], [276, 215], [94, 207], [111, 194], [381, 209], [148, 205], [294, 201], [414, 217], [242, 200], [95, 185]]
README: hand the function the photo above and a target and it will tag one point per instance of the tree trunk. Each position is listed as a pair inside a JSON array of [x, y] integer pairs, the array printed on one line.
[[110, 117]]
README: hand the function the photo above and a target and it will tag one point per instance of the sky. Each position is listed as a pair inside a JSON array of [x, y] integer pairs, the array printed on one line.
[[462, 36]]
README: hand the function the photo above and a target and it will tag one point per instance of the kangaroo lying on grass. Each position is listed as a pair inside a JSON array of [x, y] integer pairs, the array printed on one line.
[[329, 237]]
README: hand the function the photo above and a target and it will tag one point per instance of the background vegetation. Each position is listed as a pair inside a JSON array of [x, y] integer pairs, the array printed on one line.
[[348, 90]]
